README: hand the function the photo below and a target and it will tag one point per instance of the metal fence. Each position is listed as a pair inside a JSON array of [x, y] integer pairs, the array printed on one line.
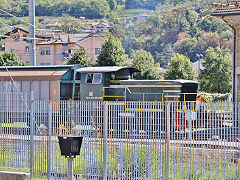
[[132, 140]]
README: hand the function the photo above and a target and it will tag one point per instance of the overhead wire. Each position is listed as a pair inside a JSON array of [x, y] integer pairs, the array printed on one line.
[[12, 80], [17, 17], [24, 101]]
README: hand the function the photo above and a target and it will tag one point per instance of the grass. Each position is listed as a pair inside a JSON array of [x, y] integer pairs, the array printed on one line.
[[83, 127], [15, 170], [132, 161], [15, 125]]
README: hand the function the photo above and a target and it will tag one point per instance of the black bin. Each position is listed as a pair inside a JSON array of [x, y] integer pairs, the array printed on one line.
[[70, 145]]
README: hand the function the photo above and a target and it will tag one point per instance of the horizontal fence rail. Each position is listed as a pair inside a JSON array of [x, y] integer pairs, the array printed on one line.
[[122, 140]]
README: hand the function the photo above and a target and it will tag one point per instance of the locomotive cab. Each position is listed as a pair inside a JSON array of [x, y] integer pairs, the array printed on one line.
[[94, 80]]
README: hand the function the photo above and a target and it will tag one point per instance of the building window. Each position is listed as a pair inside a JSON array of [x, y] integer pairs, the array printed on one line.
[[26, 48], [45, 64], [67, 50], [16, 40], [24, 35], [12, 50], [45, 50], [97, 50]]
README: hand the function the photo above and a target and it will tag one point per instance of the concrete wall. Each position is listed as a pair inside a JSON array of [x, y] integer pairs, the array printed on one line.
[[91, 43], [5, 175], [18, 46]]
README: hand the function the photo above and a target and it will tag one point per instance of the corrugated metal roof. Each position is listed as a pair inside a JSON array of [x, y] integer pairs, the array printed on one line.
[[32, 74], [39, 67], [227, 10], [106, 69]]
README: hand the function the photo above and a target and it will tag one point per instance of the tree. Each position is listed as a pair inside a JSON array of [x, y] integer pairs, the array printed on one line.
[[112, 4], [144, 61], [187, 47], [81, 57], [10, 59], [180, 68], [112, 53], [216, 75]]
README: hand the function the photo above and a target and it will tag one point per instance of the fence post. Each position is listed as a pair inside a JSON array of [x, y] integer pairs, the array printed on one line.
[[105, 128], [168, 141], [49, 139], [31, 135]]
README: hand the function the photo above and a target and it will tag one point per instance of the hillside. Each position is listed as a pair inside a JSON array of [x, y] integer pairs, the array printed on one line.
[[161, 27]]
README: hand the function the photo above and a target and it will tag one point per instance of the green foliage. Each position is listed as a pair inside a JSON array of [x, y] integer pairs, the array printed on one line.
[[187, 47], [144, 61], [148, 4], [214, 97], [81, 57], [178, 26], [112, 53], [165, 56], [112, 4], [216, 75], [180, 68], [77, 8], [10, 59]]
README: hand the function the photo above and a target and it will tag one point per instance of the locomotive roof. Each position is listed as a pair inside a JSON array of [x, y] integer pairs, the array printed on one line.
[[106, 69], [180, 81]]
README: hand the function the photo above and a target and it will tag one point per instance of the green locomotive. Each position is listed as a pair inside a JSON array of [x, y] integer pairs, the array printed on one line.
[[113, 83]]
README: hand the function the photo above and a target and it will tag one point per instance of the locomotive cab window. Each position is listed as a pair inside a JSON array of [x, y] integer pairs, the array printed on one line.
[[95, 78]]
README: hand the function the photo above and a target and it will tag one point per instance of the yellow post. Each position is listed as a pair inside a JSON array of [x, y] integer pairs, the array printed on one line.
[[125, 94], [103, 94]]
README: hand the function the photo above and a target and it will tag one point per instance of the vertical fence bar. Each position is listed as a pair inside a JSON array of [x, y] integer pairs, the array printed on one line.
[[238, 135], [168, 141], [105, 128], [31, 135], [49, 140]]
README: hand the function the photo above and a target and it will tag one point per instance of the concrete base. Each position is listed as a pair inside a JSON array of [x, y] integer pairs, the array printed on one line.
[[6, 175]]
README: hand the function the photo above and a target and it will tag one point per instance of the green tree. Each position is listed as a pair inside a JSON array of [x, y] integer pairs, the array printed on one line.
[[81, 57], [112, 4], [180, 68], [216, 75], [144, 61], [112, 53], [187, 47], [10, 59]]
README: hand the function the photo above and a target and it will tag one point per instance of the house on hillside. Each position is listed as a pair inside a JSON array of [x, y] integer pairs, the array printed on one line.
[[53, 47], [100, 27], [50, 23]]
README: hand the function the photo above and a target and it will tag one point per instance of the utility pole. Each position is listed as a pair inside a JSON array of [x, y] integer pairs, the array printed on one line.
[[32, 43]]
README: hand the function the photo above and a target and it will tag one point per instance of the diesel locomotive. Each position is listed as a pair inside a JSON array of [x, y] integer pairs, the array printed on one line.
[[113, 83]]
